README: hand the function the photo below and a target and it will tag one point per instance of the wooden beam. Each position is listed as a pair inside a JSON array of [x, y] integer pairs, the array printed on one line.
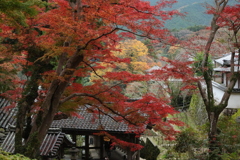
[[87, 147]]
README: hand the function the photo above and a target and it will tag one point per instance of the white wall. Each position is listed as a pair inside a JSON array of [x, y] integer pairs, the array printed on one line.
[[234, 101]]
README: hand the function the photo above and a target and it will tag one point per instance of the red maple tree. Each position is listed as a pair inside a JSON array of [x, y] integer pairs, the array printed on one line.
[[66, 42]]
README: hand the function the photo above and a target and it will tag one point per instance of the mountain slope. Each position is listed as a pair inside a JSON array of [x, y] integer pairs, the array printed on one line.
[[195, 16], [195, 10]]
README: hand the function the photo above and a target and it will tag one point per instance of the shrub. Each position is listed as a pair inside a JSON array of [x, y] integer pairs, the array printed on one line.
[[9, 156]]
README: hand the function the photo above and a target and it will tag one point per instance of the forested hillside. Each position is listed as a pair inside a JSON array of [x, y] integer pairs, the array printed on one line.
[[195, 14]]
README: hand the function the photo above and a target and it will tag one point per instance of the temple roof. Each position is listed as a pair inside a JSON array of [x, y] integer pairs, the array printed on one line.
[[7, 117], [226, 59], [223, 87], [87, 122], [90, 121], [50, 146]]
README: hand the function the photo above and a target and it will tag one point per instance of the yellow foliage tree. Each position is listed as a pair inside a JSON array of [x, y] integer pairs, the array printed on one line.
[[132, 48], [136, 51], [140, 61], [173, 49]]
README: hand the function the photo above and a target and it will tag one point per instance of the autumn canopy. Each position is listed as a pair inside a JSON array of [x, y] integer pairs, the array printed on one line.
[[67, 42]]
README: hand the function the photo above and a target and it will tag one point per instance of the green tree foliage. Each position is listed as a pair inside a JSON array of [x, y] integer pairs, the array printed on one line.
[[196, 28], [198, 59], [7, 156], [180, 99], [186, 140], [7, 73], [229, 133], [16, 10], [197, 110], [13, 13]]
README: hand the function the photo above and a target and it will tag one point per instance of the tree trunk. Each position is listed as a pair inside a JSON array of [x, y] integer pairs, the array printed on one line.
[[207, 92], [29, 94], [215, 148], [43, 119]]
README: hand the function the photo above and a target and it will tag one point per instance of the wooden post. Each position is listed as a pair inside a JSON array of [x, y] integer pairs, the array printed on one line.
[[131, 138], [129, 154], [101, 147], [87, 147], [138, 154], [74, 138]]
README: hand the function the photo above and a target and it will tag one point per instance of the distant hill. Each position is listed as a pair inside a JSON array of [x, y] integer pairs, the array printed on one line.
[[196, 13]]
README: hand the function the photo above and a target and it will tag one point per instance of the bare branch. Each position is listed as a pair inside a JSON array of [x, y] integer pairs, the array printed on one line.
[[103, 104], [100, 111], [94, 39], [93, 70], [86, 94]]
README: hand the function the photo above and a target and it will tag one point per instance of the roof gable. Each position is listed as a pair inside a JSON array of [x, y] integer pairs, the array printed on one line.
[[225, 59], [50, 146]]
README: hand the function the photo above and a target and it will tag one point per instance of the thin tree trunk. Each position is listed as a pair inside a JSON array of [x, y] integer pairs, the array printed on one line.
[[212, 109], [215, 148]]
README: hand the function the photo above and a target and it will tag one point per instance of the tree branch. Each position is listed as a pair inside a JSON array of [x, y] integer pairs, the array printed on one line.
[[203, 94], [93, 70], [94, 39], [86, 94], [220, 5]]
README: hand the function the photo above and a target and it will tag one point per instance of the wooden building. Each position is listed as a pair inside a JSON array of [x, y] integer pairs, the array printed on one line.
[[221, 80], [82, 131], [71, 132]]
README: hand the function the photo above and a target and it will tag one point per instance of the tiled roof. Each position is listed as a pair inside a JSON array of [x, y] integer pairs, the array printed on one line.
[[87, 122], [6, 116], [223, 87], [219, 86], [49, 147], [226, 69], [236, 90], [227, 57], [90, 122]]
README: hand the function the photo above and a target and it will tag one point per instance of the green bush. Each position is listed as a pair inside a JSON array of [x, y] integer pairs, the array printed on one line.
[[9, 156], [186, 140], [230, 156], [229, 134]]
